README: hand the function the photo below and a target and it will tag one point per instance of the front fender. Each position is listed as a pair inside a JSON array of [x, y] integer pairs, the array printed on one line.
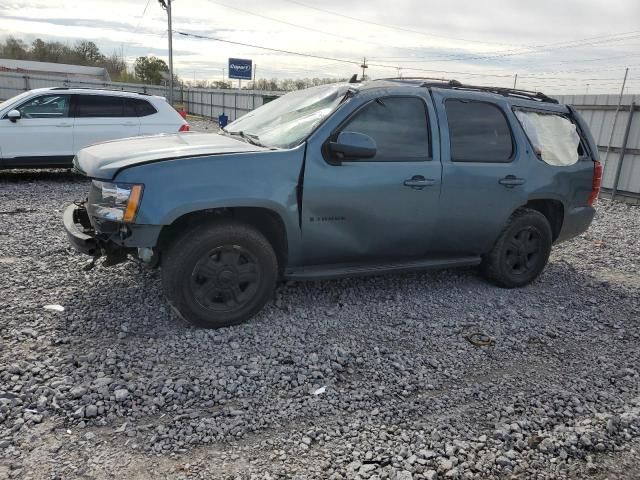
[[268, 179]]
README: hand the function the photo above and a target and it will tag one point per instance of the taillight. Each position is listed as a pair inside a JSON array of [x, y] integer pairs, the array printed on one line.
[[596, 182], [184, 127]]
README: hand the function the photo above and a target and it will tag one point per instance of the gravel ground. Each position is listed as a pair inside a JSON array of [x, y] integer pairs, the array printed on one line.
[[361, 378]]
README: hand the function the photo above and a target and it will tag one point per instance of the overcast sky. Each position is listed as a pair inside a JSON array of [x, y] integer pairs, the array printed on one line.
[[550, 44]]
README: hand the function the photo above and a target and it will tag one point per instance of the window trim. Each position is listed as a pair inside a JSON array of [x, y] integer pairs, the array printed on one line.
[[326, 153], [583, 144], [514, 144], [17, 107]]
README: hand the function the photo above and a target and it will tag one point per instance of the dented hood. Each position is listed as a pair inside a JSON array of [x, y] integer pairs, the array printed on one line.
[[104, 160]]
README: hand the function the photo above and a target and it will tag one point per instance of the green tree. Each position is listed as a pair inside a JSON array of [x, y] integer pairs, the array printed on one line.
[[115, 65], [39, 51], [15, 49], [150, 69], [88, 52]]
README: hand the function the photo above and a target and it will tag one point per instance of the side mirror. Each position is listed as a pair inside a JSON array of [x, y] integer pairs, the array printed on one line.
[[353, 145], [14, 115]]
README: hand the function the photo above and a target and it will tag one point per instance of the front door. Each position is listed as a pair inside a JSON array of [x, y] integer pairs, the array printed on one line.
[[41, 136], [381, 208]]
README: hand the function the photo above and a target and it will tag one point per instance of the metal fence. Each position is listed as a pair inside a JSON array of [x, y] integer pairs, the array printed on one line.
[[617, 134], [206, 102], [233, 103]]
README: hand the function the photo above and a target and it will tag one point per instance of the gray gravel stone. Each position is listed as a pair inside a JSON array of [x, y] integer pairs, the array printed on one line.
[[121, 394], [91, 411], [559, 383]]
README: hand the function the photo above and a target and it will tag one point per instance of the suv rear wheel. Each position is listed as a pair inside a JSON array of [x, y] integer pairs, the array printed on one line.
[[219, 274], [521, 252]]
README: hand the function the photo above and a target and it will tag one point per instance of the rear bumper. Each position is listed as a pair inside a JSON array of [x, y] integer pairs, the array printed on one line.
[[81, 238], [576, 221]]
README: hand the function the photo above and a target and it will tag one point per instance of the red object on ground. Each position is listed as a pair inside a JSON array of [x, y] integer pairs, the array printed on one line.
[[183, 113]]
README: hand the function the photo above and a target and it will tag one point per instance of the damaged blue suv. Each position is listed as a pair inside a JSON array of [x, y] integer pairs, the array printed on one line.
[[338, 180]]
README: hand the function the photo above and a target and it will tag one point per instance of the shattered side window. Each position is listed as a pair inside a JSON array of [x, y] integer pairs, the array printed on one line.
[[554, 137]]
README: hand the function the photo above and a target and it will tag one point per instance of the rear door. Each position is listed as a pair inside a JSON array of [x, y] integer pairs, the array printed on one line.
[[42, 136], [485, 170], [380, 208], [98, 118]]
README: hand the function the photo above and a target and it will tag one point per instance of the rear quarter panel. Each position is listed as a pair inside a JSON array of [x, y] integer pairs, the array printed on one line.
[[569, 184], [165, 120]]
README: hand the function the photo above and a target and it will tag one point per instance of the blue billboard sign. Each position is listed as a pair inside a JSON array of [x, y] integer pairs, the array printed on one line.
[[240, 68]]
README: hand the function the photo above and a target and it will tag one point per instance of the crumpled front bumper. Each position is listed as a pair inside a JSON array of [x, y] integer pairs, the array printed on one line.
[[111, 239], [79, 231]]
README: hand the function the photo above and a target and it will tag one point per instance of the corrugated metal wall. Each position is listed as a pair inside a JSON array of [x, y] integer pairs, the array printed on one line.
[[233, 103], [599, 111]]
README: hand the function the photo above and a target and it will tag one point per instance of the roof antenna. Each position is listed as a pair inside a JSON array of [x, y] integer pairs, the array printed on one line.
[[354, 78]]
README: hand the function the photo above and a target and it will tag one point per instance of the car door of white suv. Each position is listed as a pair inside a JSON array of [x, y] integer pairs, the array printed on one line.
[[98, 118], [41, 136]]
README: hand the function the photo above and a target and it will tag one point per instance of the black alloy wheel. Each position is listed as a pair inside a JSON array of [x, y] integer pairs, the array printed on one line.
[[521, 251], [226, 278], [219, 274]]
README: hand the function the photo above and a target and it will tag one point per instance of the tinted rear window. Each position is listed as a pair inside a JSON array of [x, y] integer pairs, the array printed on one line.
[[478, 132], [99, 106], [142, 108]]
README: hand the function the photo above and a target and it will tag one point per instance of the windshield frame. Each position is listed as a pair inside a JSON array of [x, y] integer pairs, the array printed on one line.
[[344, 93]]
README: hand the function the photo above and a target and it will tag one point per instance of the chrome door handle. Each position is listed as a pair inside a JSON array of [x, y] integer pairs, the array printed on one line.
[[63, 125], [419, 182], [511, 181]]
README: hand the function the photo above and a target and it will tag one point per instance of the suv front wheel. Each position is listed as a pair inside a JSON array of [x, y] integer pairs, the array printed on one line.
[[521, 252], [220, 274]]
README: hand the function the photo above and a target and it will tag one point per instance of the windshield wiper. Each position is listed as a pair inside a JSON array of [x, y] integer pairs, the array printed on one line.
[[249, 137]]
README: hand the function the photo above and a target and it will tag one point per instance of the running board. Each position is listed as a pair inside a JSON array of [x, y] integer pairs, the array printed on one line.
[[325, 272]]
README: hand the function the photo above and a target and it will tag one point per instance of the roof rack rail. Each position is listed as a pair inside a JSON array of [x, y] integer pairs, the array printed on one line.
[[99, 88], [435, 79], [506, 92], [456, 85]]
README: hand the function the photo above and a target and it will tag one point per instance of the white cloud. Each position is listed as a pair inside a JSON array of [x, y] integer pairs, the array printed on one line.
[[453, 33]]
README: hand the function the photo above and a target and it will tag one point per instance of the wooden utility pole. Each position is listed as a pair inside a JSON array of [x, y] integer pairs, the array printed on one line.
[[364, 66]]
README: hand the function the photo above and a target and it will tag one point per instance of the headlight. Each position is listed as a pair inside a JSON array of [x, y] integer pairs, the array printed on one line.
[[116, 201]]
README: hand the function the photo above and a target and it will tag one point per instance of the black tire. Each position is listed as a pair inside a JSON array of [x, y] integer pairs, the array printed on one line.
[[219, 274], [521, 251]]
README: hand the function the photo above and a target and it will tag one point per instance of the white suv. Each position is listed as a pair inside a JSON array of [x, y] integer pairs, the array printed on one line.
[[46, 127]]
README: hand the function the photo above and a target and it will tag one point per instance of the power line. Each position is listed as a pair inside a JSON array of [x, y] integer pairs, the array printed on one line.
[[288, 52], [523, 50], [358, 63], [528, 50], [544, 48], [517, 51], [341, 60], [302, 27], [137, 26], [393, 27], [590, 41]]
